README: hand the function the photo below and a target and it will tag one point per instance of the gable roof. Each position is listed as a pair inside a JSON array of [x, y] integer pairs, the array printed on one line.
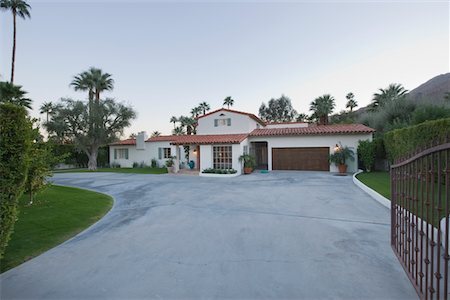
[[124, 142], [314, 130], [208, 139], [236, 112]]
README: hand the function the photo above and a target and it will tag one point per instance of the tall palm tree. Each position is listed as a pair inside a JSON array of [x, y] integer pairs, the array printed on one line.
[[10, 93], [189, 123], [195, 112], [204, 107], [228, 101], [156, 133], [351, 102], [322, 107], [94, 81], [18, 8], [173, 120], [393, 92], [46, 108], [178, 131]]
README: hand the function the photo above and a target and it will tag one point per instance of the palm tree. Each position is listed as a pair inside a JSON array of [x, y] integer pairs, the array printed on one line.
[[189, 123], [18, 8], [393, 92], [156, 133], [195, 112], [173, 120], [228, 101], [204, 107], [46, 108], [351, 102], [10, 93], [178, 131], [301, 117], [94, 81], [322, 107]]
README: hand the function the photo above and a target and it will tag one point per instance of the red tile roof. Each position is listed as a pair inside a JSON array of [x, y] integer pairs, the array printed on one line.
[[314, 130], [236, 112], [210, 139], [279, 123], [162, 138], [125, 142]]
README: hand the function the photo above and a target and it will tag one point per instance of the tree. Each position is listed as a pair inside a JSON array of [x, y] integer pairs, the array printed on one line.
[[301, 118], [392, 93], [18, 8], [322, 107], [178, 131], [228, 101], [10, 93], [189, 124], [15, 142], [196, 111], [90, 132], [351, 102], [204, 107], [94, 81], [278, 110], [156, 133], [174, 120], [46, 108]]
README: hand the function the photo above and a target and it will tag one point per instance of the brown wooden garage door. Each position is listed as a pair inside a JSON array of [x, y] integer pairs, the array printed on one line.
[[311, 159]]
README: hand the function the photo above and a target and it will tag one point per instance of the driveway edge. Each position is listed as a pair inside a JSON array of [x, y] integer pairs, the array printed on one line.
[[372, 193]]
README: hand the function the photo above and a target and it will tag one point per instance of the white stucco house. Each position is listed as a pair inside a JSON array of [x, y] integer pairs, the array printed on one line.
[[224, 134]]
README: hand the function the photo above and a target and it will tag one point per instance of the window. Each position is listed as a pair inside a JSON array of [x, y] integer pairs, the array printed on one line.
[[222, 157], [164, 153], [245, 149], [120, 153], [222, 122]]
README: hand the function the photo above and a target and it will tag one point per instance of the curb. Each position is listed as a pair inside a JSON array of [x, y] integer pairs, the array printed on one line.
[[372, 193]]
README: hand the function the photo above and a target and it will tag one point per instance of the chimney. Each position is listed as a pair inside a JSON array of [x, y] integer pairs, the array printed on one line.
[[140, 140]]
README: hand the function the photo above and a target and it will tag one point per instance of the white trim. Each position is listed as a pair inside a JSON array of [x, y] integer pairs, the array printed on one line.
[[379, 198], [218, 175]]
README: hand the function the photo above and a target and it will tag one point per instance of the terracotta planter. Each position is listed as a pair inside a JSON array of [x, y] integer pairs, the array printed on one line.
[[248, 170], [342, 169], [171, 169]]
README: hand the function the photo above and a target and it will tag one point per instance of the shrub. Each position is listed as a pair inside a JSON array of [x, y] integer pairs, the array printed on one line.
[[219, 171], [142, 165], [341, 155], [403, 142], [154, 163], [135, 165], [15, 142], [427, 112], [115, 165], [366, 152]]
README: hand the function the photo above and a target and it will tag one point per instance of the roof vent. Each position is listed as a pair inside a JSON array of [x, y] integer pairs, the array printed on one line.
[[222, 115]]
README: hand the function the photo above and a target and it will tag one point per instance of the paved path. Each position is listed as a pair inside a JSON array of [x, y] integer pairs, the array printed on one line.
[[278, 235]]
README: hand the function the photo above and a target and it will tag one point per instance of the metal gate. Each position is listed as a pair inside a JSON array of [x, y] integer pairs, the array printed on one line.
[[420, 188]]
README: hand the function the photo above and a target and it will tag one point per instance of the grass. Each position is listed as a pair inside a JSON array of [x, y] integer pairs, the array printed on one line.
[[57, 214], [378, 181], [118, 170]]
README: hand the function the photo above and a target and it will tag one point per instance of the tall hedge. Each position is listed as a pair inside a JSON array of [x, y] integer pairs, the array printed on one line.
[[15, 141], [403, 142]]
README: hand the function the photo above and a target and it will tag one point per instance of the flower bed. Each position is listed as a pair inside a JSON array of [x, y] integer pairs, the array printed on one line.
[[219, 171]]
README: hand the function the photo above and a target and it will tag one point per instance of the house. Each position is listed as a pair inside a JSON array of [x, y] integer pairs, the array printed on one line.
[[224, 134]]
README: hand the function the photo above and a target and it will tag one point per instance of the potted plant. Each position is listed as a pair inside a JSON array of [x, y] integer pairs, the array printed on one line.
[[340, 156], [170, 165], [249, 162]]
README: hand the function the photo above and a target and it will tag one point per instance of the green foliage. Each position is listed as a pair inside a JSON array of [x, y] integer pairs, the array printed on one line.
[[154, 163], [341, 155], [248, 160], [135, 165], [228, 101], [429, 112], [10, 93], [402, 142], [278, 110], [15, 143], [392, 93], [321, 108], [170, 162], [366, 152], [219, 171]]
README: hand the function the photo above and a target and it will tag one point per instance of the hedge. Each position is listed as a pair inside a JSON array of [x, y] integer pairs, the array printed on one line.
[[15, 142], [403, 142]]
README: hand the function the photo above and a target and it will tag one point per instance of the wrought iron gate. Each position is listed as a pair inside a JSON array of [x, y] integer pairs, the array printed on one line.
[[420, 188]]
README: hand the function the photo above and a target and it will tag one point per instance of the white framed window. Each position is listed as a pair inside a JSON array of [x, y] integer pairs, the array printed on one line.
[[222, 122], [245, 149], [164, 153], [222, 157], [120, 153]]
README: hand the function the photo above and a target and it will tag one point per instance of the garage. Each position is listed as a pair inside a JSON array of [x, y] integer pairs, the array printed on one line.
[[307, 159]]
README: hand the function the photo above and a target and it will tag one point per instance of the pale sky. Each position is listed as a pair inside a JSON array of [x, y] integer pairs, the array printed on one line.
[[167, 56]]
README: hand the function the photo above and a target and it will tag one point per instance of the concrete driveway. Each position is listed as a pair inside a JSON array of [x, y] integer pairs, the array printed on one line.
[[299, 235]]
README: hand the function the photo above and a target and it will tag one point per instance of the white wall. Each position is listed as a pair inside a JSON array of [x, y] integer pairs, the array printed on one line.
[[154, 152], [206, 156], [315, 141], [239, 124]]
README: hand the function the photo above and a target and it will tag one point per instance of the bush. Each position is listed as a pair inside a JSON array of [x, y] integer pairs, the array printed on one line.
[[142, 165], [402, 142], [219, 171], [135, 165], [15, 142], [115, 165], [429, 112], [154, 163], [366, 152]]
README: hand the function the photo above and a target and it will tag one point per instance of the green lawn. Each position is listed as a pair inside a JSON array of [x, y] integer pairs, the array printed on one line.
[[57, 214], [378, 181], [118, 170]]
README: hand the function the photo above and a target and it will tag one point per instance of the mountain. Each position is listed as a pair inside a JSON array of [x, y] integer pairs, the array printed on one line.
[[432, 91]]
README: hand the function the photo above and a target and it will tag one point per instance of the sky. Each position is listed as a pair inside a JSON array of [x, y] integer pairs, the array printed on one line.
[[168, 56]]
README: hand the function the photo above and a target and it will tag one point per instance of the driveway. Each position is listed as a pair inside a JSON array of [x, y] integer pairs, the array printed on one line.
[[278, 235]]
